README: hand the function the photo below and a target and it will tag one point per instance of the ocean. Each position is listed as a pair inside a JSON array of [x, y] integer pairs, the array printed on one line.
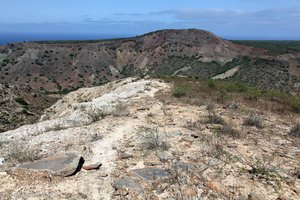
[[6, 38]]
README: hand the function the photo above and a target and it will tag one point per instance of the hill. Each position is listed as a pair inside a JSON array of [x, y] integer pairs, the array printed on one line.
[[60, 66]]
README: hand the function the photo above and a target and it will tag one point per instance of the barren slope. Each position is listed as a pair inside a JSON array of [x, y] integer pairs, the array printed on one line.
[[153, 148]]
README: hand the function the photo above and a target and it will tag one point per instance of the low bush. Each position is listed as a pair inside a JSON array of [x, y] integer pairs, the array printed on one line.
[[152, 140], [295, 131], [253, 121], [180, 91], [215, 119], [228, 130]]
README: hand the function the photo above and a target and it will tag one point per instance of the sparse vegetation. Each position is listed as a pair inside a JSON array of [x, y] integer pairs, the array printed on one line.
[[228, 130], [215, 119], [180, 91], [273, 47], [151, 139], [20, 153], [259, 169], [253, 121], [295, 131], [223, 91]]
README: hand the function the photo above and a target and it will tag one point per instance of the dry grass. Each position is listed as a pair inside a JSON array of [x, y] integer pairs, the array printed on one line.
[[228, 130], [151, 139], [214, 119], [196, 91], [20, 153], [253, 121]]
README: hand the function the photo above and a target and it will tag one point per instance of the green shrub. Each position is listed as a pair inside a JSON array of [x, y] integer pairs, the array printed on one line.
[[180, 91], [21, 101], [211, 83]]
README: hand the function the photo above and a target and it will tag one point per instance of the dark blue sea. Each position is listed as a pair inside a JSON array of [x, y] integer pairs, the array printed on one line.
[[21, 37]]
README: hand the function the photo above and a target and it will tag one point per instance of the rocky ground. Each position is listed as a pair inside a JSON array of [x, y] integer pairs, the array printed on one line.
[[152, 147]]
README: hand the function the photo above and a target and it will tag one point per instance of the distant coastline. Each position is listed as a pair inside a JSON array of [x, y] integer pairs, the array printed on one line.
[[6, 38]]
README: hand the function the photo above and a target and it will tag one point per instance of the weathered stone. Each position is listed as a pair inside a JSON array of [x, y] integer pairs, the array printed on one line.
[[127, 183], [190, 192], [92, 166], [191, 166], [196, 135], [151, 163], [164, 156], [214, 162], [174, 133], [187, 139], [125, 155], [150, 174], [60, 165], [256, 196], [3, 173]]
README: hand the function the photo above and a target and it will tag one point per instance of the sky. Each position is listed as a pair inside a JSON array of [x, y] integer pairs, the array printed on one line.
[[232, 19]]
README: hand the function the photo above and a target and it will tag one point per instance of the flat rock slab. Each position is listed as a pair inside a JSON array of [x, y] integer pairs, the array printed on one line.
[[60, 165], [127, 183], [151, 174]]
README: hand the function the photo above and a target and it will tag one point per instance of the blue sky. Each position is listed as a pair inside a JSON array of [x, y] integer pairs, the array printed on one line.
[[246, 19]]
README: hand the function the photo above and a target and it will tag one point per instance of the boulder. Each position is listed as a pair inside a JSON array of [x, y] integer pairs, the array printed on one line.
[[65, 164]]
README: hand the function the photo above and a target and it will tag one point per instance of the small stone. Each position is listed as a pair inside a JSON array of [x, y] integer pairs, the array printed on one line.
[[187, 139], [190, 192], [103, 175], [127, 183], [151, 163], [214, 162], [2, 161], [297, 190], [195, 135], [3, 173], [184, 166], [256, 196], [125, 155], [150, 174], [92, 166], [174, 133], [193, 157], [164, 156]]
